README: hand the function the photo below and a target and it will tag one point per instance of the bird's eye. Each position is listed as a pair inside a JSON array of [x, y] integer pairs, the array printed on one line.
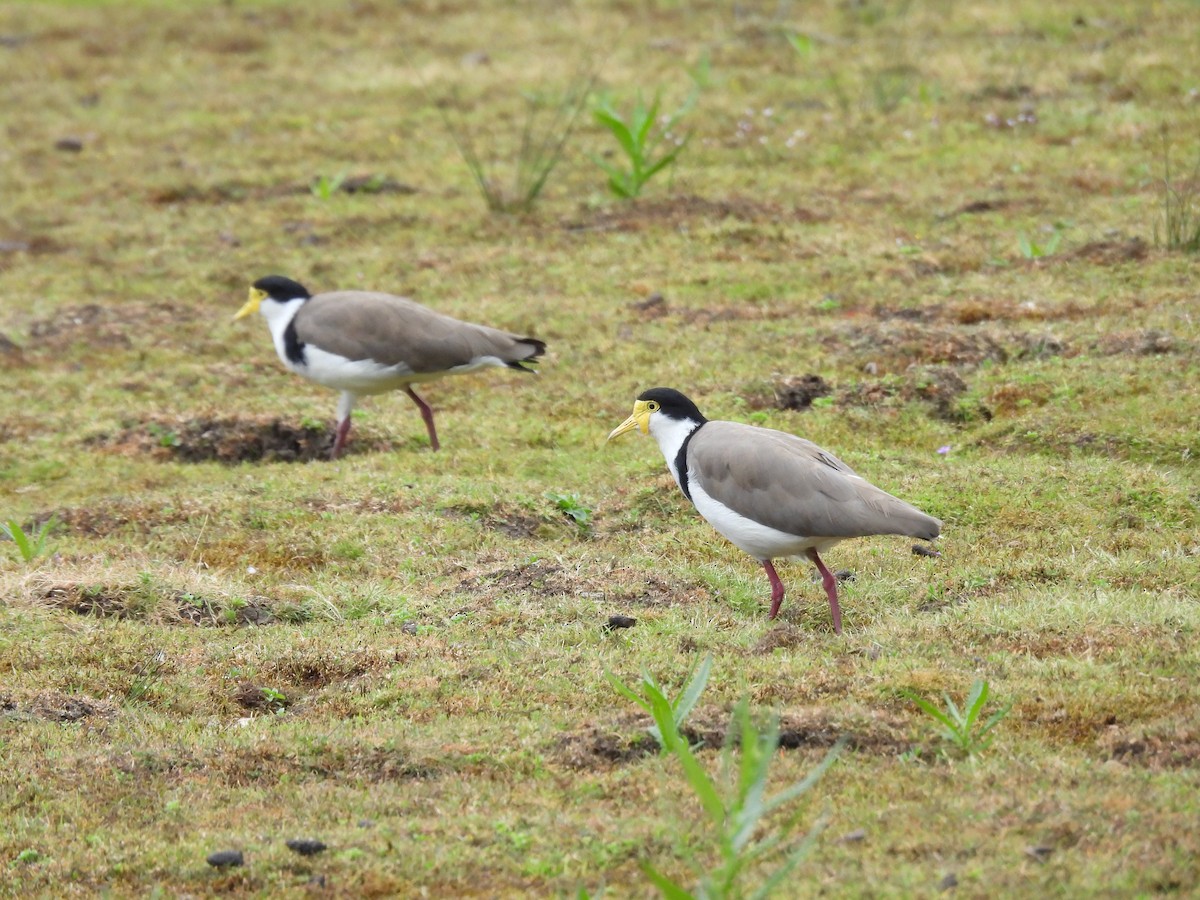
[[652, 406]]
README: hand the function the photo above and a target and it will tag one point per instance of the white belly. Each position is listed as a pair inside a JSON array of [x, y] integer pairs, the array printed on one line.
[[760, 541], [365, 376]]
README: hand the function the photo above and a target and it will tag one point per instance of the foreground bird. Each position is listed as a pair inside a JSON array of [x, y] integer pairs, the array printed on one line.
[[361, 342], [772, 494]]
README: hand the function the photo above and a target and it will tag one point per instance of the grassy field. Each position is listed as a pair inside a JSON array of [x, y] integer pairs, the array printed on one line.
[[951, 215]]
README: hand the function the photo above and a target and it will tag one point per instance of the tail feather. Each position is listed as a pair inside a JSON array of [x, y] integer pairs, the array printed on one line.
[[539, 347]]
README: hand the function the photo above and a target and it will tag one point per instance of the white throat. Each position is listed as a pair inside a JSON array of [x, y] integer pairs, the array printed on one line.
[[278, 315], [670, 434]]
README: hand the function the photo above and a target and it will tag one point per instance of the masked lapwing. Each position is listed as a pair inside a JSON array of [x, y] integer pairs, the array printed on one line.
[[362, 342], [772, 494]]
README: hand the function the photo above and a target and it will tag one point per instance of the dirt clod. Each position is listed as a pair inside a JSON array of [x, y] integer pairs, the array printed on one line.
[[799, 391], [305, 846], [225, 859], [615, 622]]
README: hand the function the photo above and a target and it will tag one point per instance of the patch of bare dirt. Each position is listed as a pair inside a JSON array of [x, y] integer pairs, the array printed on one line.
[[230, 440], [678, 211], [895, 345], [136, 602], [102, 326], [939, 386], [541, 576], [1113, 252], [239, 191], [101, 521], [1147, 342], [799, 391], [1175, 749], [55, 706], [627, 740], [35, 245], [513, 522]]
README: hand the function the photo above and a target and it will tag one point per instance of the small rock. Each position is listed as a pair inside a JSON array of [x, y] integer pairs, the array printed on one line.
[[225, 859], [1040, 853], [305, 846], [409, 627], [950, 881], [922, 550], [366, 823], [317, 881], [69, 145], [615, 622], [858, 834]]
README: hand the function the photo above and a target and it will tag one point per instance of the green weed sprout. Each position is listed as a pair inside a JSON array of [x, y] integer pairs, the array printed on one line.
[[639, 139], [1179, 228], [573, 508], [325, 186], [544, 133], [959, 727], [29, 547], [1033, 250], [736, 807], [680, 707]]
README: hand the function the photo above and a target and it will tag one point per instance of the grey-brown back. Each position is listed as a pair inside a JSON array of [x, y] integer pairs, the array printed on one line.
[[791, 484], [397, 331]]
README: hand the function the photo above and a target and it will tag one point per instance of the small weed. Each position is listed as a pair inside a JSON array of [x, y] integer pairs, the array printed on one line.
[[325, 186], [547, 126], [681, 706], [28, 857], [801, 43], [30, 547], [639, 138], [165, 436], [959, 727], [736, 804], [1179, 227], [573, 508], [1033, 250], [275, 700]]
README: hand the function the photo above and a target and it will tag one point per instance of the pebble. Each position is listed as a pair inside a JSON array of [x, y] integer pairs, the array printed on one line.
[[224, 859]]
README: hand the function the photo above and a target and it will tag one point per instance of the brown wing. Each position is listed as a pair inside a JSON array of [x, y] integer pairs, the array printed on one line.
[[396, 331], [792, 484]]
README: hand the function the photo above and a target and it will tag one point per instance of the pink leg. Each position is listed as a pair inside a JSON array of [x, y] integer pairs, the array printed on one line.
[[776, 588], [339, 440], [426, 414], [830, 582]]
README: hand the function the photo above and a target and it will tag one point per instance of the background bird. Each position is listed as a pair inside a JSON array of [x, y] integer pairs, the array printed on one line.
[[772, 494], [361, 342]]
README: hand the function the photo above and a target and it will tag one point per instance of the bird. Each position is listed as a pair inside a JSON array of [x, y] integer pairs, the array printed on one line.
[[771, 493], [364, 342]]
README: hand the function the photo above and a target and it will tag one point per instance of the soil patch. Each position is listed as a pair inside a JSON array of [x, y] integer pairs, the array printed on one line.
[[104, 326], [136, 602], [540, 577], [627, 740], [230, 440], [677, 211], [239, 191], [54, 706], [1148, 342]]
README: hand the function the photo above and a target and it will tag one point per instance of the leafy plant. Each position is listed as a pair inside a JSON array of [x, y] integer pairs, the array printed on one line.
[[961, 727], [736, 805], [681, 706], [30, 547], [640, 139], [544, 132], [325, 186], [1032, 250], [1179, 227], [573, 508]]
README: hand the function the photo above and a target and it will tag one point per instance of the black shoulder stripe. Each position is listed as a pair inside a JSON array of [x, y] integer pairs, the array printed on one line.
[[681, 463], [292, 345]]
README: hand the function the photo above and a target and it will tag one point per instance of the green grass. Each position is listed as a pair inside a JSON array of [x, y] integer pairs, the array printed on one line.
[[402, 653]]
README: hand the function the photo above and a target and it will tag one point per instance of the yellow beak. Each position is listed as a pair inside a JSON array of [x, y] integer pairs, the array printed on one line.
[[640, 418], [251, 305]]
